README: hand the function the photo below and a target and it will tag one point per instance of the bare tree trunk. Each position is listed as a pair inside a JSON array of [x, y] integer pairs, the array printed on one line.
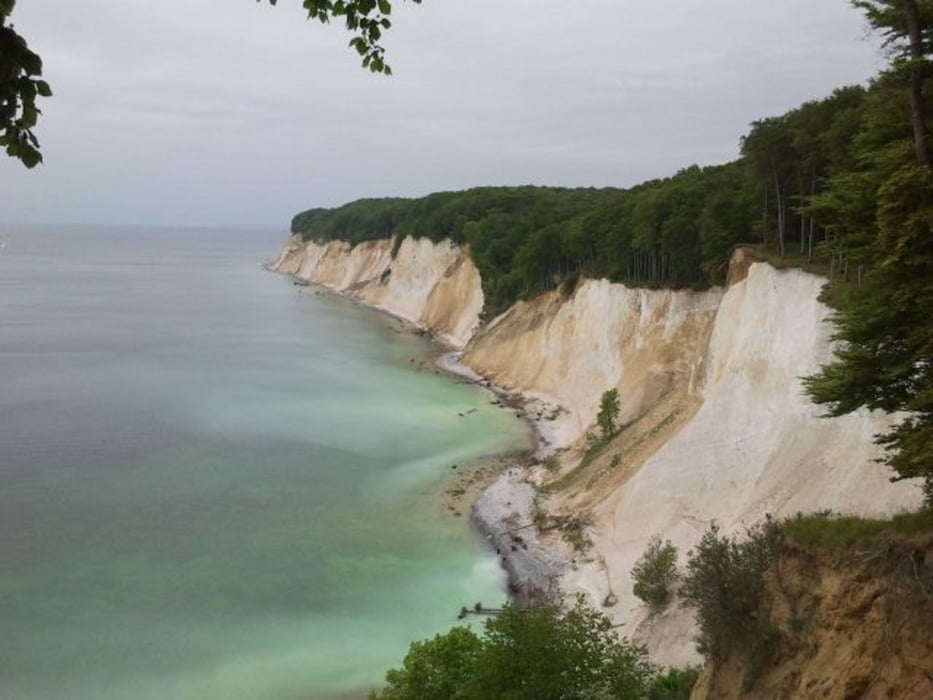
[[810, 242], [803, 231], [781, 213], [912, 14], [764, 220], [812, 224]]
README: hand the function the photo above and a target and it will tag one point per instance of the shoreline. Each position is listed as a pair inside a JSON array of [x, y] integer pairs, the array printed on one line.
[[502, 504]]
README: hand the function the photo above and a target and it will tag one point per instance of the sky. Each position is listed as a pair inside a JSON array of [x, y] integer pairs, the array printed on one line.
[[235, 113]]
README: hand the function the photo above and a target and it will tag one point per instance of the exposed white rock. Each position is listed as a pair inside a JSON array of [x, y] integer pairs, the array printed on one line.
[[755, 446], [710, 380], [434, 286]]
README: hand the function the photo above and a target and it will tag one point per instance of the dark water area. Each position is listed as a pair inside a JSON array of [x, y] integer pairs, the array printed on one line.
[[214, 485]]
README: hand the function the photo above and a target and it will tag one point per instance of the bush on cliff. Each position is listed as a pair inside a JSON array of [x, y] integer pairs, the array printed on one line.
[[725, 586], [535, 654], [655, 573]]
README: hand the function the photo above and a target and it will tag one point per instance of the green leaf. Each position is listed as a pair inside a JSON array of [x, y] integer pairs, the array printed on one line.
[[385, 7], [43, 88]]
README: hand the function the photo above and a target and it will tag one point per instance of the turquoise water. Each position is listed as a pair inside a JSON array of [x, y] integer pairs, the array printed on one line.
[[214, 485]]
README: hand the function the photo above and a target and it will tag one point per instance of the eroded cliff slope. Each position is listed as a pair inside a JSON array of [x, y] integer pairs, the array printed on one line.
[[435, 286], [851, 623], [715, 422]]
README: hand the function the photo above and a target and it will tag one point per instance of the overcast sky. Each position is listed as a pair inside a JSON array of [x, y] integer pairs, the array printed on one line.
[[229, 112]]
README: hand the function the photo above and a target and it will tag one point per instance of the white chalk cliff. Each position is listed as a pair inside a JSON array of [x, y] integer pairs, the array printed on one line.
[[434, 286], [716, 424]]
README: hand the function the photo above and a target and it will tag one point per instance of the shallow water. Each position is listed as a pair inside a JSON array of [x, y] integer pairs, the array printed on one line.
[[214, 485]]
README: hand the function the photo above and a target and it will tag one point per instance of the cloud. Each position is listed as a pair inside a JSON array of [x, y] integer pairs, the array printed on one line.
[[222, 112]]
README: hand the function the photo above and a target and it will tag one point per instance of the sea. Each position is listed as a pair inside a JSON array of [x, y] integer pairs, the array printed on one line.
[[215, 484]]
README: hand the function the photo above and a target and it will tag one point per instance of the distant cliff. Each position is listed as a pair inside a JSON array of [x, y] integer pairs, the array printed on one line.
[[715, 423], [434, 286]]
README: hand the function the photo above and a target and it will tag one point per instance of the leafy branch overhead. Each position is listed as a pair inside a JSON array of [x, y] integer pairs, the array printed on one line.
[[368, 19], [20, 85]]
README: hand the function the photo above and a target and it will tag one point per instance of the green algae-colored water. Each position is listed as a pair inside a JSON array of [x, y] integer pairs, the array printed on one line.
[[214, 485]]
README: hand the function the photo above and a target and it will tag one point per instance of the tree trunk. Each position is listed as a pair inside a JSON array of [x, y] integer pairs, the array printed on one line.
[[781, 212], [810, 242], [764, 220], [918, 117], [812, 224], [803, 231]]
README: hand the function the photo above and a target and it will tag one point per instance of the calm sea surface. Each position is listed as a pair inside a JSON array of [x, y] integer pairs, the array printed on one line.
[[213, 485]]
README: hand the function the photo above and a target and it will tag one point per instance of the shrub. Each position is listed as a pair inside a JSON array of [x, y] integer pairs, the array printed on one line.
[[725, 586], [534, 654], [575, 535], [675, 684], [655, 573], [435, 668]]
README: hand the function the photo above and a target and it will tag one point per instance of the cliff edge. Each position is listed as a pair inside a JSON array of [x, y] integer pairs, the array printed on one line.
[[854, 623], [714, 425]]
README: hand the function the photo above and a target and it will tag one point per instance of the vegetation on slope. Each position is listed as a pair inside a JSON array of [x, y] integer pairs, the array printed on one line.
[[538, 654], [814, 595]]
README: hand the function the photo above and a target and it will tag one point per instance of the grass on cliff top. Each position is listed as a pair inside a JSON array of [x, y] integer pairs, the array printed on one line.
[[835, 532], [793, 258]]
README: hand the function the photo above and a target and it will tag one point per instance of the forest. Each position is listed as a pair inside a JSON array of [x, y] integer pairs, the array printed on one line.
[[798, 189], [841, 186]]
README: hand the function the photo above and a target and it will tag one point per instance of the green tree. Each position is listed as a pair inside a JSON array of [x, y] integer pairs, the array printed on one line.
[[436, 669], [907, 29], [676, 684], [533, 654], [884, 332], [608, 413], [655, 573], [724, 584]]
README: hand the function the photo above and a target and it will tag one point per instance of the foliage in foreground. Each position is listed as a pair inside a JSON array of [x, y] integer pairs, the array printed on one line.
[[537, 654], [884, 334], [655, 573]]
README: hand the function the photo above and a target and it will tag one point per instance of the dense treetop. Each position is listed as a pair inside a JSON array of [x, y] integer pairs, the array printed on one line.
[[674, 232]]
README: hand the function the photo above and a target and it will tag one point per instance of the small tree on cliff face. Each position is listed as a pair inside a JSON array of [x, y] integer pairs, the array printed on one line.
[[608, 413], [655, 573]]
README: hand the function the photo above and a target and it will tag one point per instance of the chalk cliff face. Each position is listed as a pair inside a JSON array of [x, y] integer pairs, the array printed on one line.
[[715, 423], [435, 286], [755, 445], [647, 343]]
